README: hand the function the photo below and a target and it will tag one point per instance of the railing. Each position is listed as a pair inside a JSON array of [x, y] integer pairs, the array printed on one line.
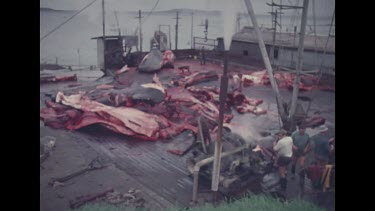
[[208, 44]]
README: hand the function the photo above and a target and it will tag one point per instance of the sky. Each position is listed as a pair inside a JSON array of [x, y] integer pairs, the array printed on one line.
[[322, 7]]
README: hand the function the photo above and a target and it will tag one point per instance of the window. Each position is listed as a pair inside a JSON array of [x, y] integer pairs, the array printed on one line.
[[245, 53], [276, 53]]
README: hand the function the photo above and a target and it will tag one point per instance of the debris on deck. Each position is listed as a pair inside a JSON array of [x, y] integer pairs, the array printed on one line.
[[52, 78], [47, 143], [132, 198]]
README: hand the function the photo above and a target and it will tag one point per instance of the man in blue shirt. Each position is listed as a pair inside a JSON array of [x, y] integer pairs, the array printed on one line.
[[322, 147], [301, 146]]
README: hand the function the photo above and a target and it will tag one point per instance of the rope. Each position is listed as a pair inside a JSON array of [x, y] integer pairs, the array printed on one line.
[[66, 21]]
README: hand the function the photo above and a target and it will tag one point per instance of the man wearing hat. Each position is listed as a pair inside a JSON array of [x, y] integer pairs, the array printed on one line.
[[283, 149], [322, 147], [301, 146]]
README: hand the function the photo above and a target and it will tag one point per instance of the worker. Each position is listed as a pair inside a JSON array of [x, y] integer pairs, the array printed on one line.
[[322, 147], [332, 151], [301, 146], [203, 56], [283, 148]]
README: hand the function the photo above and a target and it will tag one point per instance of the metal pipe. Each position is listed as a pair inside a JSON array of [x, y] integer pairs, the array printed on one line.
[[206, 161]]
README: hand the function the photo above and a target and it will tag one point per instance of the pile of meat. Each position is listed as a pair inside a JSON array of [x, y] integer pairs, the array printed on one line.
[[283, 79], [156, 110], [148, 111]]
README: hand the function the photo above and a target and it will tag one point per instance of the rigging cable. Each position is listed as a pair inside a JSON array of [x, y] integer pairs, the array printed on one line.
[[66, 21], [152, 10]]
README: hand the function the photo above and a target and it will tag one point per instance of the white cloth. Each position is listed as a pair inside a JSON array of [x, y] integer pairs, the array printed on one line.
[[284, 147]]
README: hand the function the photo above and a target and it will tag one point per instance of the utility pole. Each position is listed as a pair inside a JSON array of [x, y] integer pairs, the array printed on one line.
[[140, 30], [191, 38], [104, 45], [79, 59], [176, 29], [206, 29], [266, 60], [299, 62], [274, 14]]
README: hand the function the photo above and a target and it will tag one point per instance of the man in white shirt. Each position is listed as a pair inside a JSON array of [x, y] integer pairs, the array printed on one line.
[[284, 151]]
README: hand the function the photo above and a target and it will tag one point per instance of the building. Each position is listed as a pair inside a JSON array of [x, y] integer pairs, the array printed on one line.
[[245, 45], [116, 48]]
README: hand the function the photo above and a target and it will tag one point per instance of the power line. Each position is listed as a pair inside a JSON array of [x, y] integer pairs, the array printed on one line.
[[152, 10], [66, 20]]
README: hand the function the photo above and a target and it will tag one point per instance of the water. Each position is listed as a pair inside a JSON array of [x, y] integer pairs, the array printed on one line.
[[77, 33]]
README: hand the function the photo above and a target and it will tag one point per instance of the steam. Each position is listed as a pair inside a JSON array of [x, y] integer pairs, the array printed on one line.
[[229, 16]]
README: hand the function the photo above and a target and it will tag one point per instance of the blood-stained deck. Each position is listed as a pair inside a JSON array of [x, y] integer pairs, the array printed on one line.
[[162, 176]]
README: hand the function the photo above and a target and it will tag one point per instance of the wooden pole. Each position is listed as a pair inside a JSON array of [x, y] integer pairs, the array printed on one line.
[[299, 61], [266, 60], [218, 143], [274, 38]]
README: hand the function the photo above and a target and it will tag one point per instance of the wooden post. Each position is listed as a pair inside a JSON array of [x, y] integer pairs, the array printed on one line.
[[299, 61], [218, 144], [266, 60]]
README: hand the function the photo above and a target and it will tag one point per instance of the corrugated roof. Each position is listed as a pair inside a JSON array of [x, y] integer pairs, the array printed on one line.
[[247, 34]]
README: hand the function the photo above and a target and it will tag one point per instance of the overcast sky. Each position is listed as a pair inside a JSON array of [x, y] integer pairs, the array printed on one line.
[[322, 7]]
